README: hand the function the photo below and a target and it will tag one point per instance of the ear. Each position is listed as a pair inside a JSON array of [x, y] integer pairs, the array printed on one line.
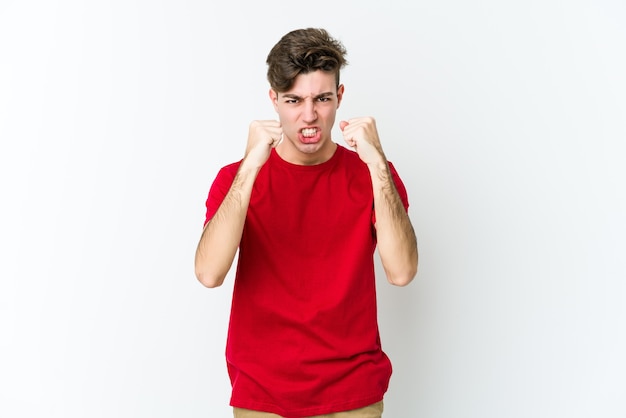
[[274, 99], [339, 95]]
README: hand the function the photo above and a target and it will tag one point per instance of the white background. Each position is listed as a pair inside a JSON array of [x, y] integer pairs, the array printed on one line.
[[506, 120]]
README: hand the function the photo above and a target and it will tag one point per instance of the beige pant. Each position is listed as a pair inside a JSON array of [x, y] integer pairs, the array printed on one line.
[[372, 411]]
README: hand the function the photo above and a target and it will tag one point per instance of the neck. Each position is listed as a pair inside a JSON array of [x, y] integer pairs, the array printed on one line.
[[297, 156]]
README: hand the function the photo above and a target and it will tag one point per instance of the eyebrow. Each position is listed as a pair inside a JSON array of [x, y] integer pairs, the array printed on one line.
[[295, 96]]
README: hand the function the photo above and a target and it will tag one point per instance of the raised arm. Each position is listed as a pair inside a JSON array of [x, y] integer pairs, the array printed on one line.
[[397, 244], [222, 234]]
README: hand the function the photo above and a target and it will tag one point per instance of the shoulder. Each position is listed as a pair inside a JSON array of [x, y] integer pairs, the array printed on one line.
[[349, 158], [224, 178], [347, 153], [232, 167], [229, 170]]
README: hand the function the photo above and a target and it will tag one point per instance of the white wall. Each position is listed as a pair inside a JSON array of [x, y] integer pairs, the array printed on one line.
[[505, 119]]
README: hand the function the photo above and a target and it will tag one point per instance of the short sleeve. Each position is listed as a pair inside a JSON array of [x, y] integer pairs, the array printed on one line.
[[219, 189], [399, 186]]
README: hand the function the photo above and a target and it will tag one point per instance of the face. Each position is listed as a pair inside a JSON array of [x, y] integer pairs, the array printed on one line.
[[307, 114]]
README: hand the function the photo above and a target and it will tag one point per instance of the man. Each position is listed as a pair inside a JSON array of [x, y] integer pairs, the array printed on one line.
[[306, 215]]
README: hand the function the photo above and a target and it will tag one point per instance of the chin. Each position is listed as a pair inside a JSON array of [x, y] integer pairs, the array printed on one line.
[[309, 148]]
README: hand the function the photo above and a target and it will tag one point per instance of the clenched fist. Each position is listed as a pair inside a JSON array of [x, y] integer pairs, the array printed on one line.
[[263, 135], [362, 135]]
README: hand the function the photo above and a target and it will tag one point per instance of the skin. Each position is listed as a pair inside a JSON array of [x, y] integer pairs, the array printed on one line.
[[312, 102]]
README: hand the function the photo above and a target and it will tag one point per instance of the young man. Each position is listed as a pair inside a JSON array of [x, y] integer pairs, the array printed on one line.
[[306, 215]]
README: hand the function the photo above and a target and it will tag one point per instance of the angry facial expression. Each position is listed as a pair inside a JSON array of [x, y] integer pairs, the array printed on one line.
[[307, 114]]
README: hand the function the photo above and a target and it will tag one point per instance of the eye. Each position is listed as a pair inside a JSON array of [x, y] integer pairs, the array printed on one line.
[[291, 101], [324, 99]]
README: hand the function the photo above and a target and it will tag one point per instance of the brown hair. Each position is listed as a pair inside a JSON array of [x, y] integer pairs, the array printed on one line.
[[303, 51]]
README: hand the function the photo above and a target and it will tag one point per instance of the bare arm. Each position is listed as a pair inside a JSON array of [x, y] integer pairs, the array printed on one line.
[[222, 234], [397, 244]]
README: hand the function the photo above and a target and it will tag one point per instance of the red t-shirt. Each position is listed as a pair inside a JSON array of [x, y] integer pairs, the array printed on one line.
[[303, 336]]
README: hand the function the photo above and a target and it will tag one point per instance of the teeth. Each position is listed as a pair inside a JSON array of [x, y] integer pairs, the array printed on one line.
[[309, 132]]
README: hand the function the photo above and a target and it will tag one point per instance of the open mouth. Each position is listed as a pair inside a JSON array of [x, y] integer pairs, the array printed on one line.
[[309, 132], [310, 135]]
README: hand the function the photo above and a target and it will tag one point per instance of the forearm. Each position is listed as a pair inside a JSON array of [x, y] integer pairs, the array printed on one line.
[[222, 234], [397, 244]]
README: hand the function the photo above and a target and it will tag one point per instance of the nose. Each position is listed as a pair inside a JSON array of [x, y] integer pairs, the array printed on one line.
[[309, 113]]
